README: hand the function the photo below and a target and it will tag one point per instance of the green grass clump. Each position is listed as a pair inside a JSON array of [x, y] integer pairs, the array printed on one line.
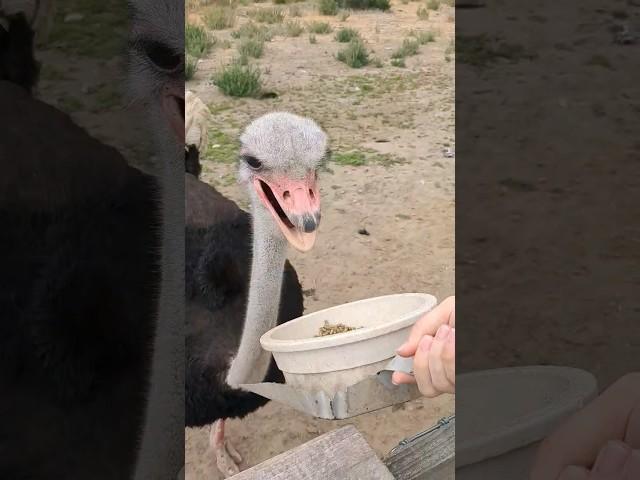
[[433, 4], [366, 4], [355, 55], [251, 48], [190, 66], [328, 7], [312, 38], [219, 18], [295, 11], [197, 41], [293, 29], [398, 62], [409, 48], [267, 15], [344, 14], [319, 27], [423, 13], [345, 35], [354, 159], [237, 80], [254, 32], [424, 37]]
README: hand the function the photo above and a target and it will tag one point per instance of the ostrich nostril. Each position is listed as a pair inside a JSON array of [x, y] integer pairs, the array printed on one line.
[[311, 194], [286, 195]]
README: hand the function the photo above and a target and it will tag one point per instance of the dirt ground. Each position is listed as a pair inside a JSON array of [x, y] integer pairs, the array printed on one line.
[[401, 119]]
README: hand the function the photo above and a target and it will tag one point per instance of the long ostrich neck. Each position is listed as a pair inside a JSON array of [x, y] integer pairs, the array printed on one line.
[[269, 253], [160, 455]]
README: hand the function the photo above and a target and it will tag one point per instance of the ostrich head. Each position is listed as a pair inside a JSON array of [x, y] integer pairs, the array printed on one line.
[[279, 159], [156, 65]]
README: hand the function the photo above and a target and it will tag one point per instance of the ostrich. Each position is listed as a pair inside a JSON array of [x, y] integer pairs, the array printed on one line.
[[238, 282], [79, 252]]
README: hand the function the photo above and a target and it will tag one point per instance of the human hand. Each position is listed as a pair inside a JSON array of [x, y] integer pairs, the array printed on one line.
[[600, 442], [432, 343]]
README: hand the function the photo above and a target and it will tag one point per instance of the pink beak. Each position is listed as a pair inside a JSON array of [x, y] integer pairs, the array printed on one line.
[[173, 108], [295, 206]]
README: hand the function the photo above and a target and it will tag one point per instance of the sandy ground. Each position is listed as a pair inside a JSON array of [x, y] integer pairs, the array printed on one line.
[[559, 283], [406, 206]]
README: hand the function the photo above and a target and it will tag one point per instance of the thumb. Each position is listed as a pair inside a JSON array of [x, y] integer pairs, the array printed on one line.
[[427, 325]]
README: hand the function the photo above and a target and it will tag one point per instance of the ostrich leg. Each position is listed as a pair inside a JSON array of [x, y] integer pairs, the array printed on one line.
[[227, 457]]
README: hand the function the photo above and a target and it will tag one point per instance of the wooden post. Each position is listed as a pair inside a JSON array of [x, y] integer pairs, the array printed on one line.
[[428, 455], [342, 454]]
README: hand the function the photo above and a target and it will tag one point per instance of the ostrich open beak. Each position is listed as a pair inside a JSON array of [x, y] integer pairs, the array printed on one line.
[[295, 206], [173, 108]]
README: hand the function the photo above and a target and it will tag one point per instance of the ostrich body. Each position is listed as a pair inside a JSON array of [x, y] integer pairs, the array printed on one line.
[[79, 278], [156, 70], [238, 282]]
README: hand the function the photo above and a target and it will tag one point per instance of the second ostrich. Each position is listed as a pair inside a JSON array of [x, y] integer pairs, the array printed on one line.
[[238, 283]]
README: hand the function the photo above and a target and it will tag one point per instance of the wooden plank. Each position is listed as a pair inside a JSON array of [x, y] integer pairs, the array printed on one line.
[[342, 454], [429, 455]]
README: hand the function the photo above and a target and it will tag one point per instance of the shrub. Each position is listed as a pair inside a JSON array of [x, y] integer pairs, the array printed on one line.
[[366, 4], [320, 27], [345, 35], [409, 47], [267, 15], [197, 41], [355, 55], [190, 66], [251, 48], [328, 7], [293, 29], [219, 18], [238, 80]]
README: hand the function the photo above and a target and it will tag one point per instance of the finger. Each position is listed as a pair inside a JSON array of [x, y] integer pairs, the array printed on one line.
[[611, 459], [436, 368], [631, 470], [400, 378], [579, 439], [449, 358], [421, 368], [427, 325], [573, 472], [632, 435]]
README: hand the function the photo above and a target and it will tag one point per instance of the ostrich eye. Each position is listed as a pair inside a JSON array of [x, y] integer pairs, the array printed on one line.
[[162, 56], [253, 162]]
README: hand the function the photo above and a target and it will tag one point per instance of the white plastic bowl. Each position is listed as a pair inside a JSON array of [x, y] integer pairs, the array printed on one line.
[[334, 362], [504, 414]]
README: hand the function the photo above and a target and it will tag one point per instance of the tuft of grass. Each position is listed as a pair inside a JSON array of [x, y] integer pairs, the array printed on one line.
[[254, 32], [251, 48], [293, 29], [237, 80], [345, 35], [355, 55], [343, 15], [267, 15], [190, 66], [377, 63], [312, 38], [398, 62], [319, 27], [219, 18], [295, 11], [423, 13], [328, 7], [366, 4], [409, 48], [197, 41], [599, 61], [354, 159], [482, 50], [424, 37], [433, 4]]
